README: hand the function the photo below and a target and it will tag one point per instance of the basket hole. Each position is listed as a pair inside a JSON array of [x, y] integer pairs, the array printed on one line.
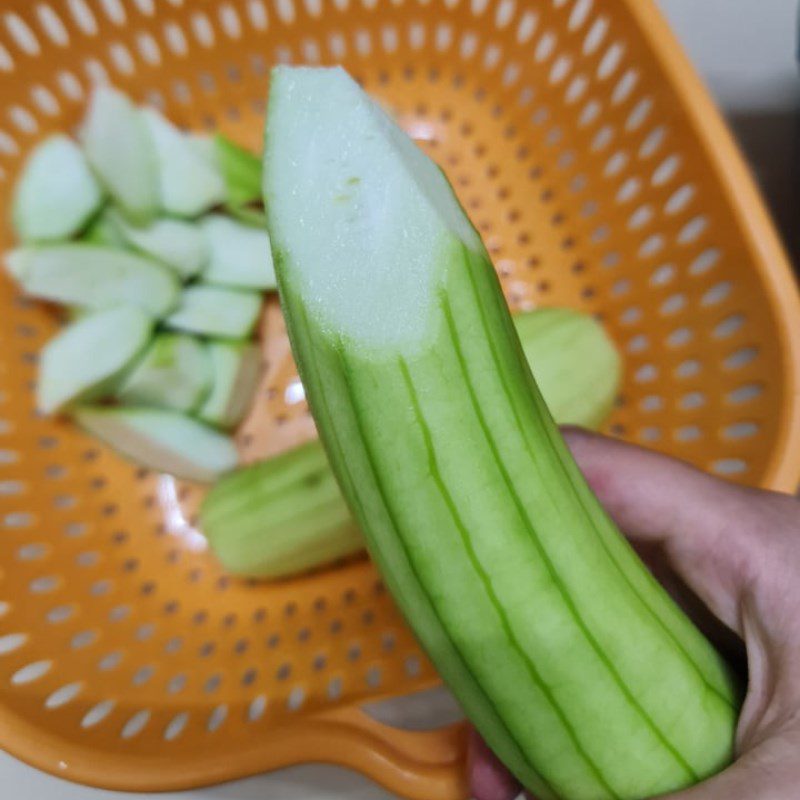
[[83, 639], [11, 642], [560, 69], [679, 199], [8, 456], [545, 47], [256, 708], [22, 34], [740, 430], [688, 368], [616, 163], [639, 114], [121, 58], [145, 632], [638, 343], [32, 552], [610, 259], [504, 13], [662, 275], [22, 119], [629, 189], [176, 726], [729, 466], [258, 14], [412, 666], [443, 37], [119, 613], [69, 85], [176, 684], [148, 48], [201, 27], [625, 85], [212, 683], [6, 62], [579, 14], [491, 56], [600, 233], [595, 35], [175, 39], [173, 645], [589, 113], [96, 714], [707, 259], [468, 45], [740, 358], [52, 25], [9, 488], [19, 519], [114, 11], [576, 88], [60, 614], [296, 698], [717, 293], [313, 7], [526, 26], [334, 688], [60, 697], [692, 229], [389, 40], [31, 672], [745, 393], [646, 373], [95, 71], [651, 433], [143, 675], [630, 315], [651, 246], [729, 326], [688, 433], [136, 724], [673, 304], [602, 138], [44, 585], [229, 21], [680, 337], [651, 402], [110, 661], [692, 400], [320, 662], [146, 7], [652, 142], [101, 588], [640, 217], [621, 287], [216, 718], [665, 171], [610, 61], [9, 146], [45, 100], [363, 40]]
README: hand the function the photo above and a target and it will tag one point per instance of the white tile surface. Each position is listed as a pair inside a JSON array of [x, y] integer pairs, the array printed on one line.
[[746, 51]]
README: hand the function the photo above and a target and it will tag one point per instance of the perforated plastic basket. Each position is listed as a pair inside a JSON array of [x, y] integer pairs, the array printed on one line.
[[600, 176]]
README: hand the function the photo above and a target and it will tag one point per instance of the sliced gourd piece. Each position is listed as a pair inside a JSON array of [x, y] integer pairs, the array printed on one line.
[[56, 192], [241, 171], [216, 311], [174, 372], [240, 254], [574, 664], [280, 517], [188, 183], [262, 536], [167, 441], [235, 367], [120, 149], [576, 365], [103, 231], [94, 277], [87, 357], [179, 244]]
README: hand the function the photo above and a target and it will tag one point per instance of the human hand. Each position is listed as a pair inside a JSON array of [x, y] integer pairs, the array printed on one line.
[[738, 550]]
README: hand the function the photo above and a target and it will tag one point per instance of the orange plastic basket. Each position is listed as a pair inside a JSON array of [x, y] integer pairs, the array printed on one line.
[[600, 175]]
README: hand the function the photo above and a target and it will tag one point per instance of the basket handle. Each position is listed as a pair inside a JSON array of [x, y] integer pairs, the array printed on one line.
[[419, 765]]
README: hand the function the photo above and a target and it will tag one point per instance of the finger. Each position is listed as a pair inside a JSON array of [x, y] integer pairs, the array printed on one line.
[[488, 778], [704, 524]]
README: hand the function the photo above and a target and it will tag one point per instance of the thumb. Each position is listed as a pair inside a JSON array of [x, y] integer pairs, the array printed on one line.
[[702, 524]]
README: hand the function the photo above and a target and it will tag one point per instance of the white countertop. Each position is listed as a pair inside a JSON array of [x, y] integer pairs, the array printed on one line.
[[746, 51]]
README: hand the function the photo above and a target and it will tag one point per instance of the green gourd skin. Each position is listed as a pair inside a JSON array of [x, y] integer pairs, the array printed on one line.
[[576, 366], [572, 661]]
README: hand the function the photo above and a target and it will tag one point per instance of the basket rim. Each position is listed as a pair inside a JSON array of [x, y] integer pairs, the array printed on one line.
[[430, 765]]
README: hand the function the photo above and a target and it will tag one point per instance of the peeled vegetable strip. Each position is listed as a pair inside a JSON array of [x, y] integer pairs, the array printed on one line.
[[574, 664], [56, 193]]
